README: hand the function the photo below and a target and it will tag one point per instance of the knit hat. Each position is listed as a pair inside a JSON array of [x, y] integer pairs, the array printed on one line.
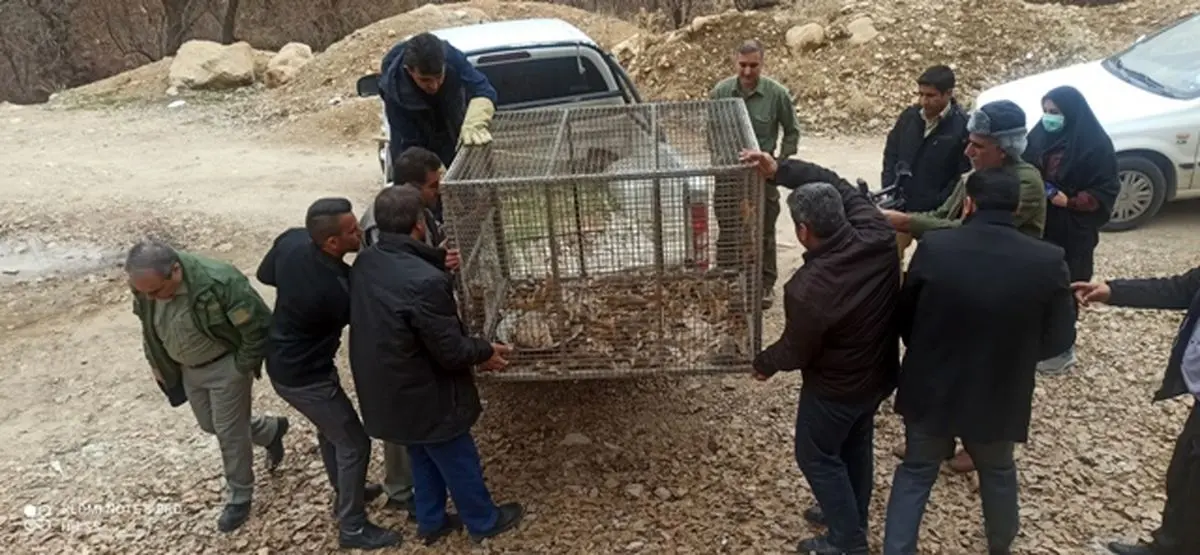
[[1003, 121]]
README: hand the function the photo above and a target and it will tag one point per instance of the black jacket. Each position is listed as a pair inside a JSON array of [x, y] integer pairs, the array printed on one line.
[[410, 355], [839, 306], [937, 162], [1181, 292], [981, 305], [312, 307]]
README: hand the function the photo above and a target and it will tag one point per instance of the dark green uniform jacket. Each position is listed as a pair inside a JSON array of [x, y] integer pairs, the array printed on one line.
[[225, 307]]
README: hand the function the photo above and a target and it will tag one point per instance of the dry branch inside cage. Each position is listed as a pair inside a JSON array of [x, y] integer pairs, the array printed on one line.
[[625, 323]]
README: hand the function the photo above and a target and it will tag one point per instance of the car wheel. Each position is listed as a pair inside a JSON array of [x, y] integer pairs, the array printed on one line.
[[1143, 190]]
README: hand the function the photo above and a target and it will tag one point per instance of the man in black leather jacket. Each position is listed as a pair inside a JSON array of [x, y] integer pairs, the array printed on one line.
[[413, 369]]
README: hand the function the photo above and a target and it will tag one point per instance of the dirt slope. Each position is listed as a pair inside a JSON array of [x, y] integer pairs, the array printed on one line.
[[844, 87]]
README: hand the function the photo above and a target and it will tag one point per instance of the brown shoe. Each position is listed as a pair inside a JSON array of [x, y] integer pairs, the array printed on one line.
[[962, 463], [898, 450]]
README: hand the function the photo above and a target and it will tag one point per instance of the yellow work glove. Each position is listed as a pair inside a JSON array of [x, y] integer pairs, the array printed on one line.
[[475, 124]]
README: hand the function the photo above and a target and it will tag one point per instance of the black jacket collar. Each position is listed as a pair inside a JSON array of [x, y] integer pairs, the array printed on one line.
[[831, 243], [991, 217], [397, 242]]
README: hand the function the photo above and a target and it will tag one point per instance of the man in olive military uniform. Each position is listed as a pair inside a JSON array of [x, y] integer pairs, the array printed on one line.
[[773, 118], [204, 330]]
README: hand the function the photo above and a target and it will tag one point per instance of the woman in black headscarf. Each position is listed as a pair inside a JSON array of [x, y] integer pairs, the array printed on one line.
[[1079, 167]]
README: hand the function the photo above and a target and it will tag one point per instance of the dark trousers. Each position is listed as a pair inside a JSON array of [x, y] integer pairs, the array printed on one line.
[[1179, 533], [454, 466], [915, 477], [834, 451], [344, 445], [732, 226]]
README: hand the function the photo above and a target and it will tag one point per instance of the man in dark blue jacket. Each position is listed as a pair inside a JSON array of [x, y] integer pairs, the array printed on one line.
[[1177, 535], [434, 98]]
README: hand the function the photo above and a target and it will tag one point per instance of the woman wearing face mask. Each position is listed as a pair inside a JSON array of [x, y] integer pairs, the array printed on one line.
[[1079, 167]]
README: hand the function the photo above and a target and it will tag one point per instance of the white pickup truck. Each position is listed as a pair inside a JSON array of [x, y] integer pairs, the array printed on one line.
[[532, 63]]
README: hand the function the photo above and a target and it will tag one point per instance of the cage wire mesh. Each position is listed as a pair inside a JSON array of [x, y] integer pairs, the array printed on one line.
[[606, 241]]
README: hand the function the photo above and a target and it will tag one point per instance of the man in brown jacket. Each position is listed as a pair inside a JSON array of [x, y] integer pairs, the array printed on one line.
[[839, 334]]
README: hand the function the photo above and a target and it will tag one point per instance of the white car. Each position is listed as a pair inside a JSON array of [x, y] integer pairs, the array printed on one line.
[[1147, 97]]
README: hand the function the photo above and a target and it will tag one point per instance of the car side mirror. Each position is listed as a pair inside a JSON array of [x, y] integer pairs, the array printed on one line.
[[368, 85]]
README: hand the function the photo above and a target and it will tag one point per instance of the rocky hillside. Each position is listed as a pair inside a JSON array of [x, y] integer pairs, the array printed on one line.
[[850, 65]]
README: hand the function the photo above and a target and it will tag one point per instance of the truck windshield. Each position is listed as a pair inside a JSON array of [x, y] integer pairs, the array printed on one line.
[[1167, 63], [546, 78]]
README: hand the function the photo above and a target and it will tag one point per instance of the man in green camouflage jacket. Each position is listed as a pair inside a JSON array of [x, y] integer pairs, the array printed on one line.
[[204, 329]]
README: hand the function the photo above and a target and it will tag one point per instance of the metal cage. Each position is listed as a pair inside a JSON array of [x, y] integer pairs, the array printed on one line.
[[609, 241]]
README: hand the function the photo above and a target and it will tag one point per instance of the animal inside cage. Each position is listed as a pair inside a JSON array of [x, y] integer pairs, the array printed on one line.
[[606, 241]]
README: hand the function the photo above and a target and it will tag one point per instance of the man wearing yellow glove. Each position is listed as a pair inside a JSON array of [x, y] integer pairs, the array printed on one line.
[[434, 98]]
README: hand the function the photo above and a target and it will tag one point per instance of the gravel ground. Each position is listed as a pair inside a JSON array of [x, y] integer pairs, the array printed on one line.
[[95, 461]]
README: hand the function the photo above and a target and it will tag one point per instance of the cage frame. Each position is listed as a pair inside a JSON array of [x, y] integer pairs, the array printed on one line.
[[556, 180]]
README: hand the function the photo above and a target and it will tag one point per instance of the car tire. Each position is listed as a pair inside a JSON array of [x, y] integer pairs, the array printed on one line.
[[1143, 191]]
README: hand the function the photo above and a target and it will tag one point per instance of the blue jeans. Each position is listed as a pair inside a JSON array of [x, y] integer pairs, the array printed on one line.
[[834, 451], [453, 465], [914, 480]]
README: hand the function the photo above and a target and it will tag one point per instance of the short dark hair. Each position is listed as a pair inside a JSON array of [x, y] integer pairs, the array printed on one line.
[[398, 209], [425, 54], [750, 46], [324, 216], [414, 164], [995, 189], [939, 77], [819, 206]]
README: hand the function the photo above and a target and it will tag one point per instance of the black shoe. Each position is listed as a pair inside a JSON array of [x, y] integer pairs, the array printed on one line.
[[510, 517], [233, 516], [814, 515], [275, 448], [368, 537], [410, 506], [451, 525], [1131, 548], [820, 546]]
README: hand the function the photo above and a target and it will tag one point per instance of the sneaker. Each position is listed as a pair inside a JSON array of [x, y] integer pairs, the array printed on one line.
[[510, 516], [368, 537], [1058, 365]]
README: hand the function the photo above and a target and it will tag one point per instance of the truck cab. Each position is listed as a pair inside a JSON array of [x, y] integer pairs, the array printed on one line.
[[532, 63]]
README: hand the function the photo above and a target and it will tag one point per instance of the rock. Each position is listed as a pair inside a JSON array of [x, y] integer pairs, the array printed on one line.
[[807, 37], [861, 30], [262, 59], [635, 490], [284, 65], [207, 65], [573, 439], [663, 493], [177, 104], [172, 91]]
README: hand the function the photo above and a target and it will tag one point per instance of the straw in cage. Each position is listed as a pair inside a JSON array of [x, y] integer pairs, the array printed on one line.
[[621, 322]]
